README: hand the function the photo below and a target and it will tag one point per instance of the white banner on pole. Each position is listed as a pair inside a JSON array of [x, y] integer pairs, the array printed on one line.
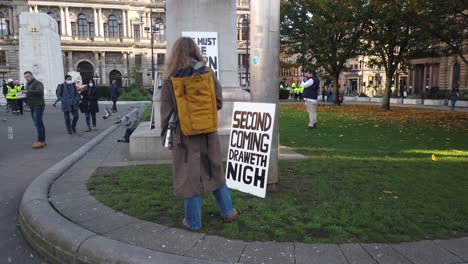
[[208, 43], [249, 147]]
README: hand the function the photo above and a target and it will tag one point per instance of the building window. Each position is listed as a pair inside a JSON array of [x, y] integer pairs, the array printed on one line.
[[3, 25], [136, 31], [73, 27], [3, 76], [91, 30], [161, 58], [139, 61], [3, 61], [113, 27], [159, 28], [83, 27], [54, 16]]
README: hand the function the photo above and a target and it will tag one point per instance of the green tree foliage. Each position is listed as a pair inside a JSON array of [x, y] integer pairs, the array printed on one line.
[[325, 33], [392, 34]]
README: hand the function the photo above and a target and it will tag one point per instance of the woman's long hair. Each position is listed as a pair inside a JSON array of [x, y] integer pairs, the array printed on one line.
[[183, 52]]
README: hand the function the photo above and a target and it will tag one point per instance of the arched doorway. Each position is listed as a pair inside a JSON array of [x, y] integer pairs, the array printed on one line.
[[115, 75], [86, 71]]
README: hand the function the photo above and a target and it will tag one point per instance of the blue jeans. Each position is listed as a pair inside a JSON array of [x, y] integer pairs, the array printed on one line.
[[89, 116], [193, 207], [36, 113]]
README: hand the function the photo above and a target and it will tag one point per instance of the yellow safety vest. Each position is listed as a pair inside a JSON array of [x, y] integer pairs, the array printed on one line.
[[11, 92]]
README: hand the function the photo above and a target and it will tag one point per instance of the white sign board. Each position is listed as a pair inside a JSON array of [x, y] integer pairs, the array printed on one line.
[[208, 43], [249, 147]]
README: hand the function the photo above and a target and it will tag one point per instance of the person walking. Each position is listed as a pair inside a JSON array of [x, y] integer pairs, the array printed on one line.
[[453, 96], [197, 163], [90, 105], [4, 92], [19, 97], [69, 96], [35, 99], [114, 90], [12, 90], [311, 85]]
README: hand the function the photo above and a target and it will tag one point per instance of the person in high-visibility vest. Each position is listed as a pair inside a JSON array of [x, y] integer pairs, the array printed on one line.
[[12, 90], [291, 91], [19, 99]]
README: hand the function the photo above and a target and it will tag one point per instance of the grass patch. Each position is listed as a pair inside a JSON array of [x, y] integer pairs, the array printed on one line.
[[146, 114], [369, 177]]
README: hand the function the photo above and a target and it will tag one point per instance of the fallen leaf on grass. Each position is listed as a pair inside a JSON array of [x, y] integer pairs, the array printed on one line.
[[395, 197], [434, 158], [340, 135], [376, 125], [387, 192]]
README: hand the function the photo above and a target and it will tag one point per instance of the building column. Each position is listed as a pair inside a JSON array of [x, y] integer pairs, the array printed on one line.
[[124, 23], [15, 20], [62, 21], [424, 79], [147, 24], [413, 79], [31, 9], [101, 24], [96, 25], [131, 61], [431, 68], [67, 17], [36, 9], [70, 61], [103, 69], [125, 57], [129, 25], [11, 20]]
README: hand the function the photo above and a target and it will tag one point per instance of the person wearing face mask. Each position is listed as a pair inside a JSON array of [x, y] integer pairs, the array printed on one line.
[[90, 104], [70, 98]]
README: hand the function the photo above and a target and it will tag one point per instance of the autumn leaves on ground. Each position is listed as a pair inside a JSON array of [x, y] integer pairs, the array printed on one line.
[[370, 176]]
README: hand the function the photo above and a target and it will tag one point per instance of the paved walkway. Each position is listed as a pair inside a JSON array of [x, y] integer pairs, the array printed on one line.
[[69, 196], [20, 165]]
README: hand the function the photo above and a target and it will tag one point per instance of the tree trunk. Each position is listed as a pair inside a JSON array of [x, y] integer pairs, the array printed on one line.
[[336, 89], [387, 92]]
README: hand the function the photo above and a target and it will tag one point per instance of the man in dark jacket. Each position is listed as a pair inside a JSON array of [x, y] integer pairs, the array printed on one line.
[[310, 94], [70, 98], [114, 90], [35, 99]]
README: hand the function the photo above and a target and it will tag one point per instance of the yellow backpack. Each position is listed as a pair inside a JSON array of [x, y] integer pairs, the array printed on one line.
[[196, 103]]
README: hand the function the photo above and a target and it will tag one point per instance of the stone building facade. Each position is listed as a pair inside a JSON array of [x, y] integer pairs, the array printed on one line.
[[105, 40]]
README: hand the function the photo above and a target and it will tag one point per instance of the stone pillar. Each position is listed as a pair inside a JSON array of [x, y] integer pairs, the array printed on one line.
[[96, 62], [62, 21], [36, 9], [129, 25], [413, 79], [96, 22], [70, 61], [31, 9], [101, 24], [67, 16], [125, 59], [147, 24], [431, 68], [131, 61], [103, 69], [124, 23], [265, 45], [424, 79], [15, 20]]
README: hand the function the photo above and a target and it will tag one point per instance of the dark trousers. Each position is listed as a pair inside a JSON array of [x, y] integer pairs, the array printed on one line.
[[13, 104], [36, 113], [20, 105], [90, 115], [67, 120], [114, 105]]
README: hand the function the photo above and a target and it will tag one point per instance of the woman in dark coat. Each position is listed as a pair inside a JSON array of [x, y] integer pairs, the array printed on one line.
[[89, 103], [197, 165]]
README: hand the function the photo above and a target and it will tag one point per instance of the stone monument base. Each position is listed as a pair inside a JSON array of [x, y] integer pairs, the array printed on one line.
[[146, 144]]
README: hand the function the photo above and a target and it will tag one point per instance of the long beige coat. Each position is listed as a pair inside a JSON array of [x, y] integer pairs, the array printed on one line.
[[197, 165]]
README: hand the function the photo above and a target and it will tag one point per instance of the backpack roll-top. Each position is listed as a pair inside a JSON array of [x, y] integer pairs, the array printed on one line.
[[196, 103]]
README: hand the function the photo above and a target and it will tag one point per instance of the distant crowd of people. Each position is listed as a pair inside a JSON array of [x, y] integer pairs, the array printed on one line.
[[72, 96]]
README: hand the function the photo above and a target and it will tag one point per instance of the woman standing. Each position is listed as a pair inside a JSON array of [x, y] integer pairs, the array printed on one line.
[[197, 165], [89, 103]]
